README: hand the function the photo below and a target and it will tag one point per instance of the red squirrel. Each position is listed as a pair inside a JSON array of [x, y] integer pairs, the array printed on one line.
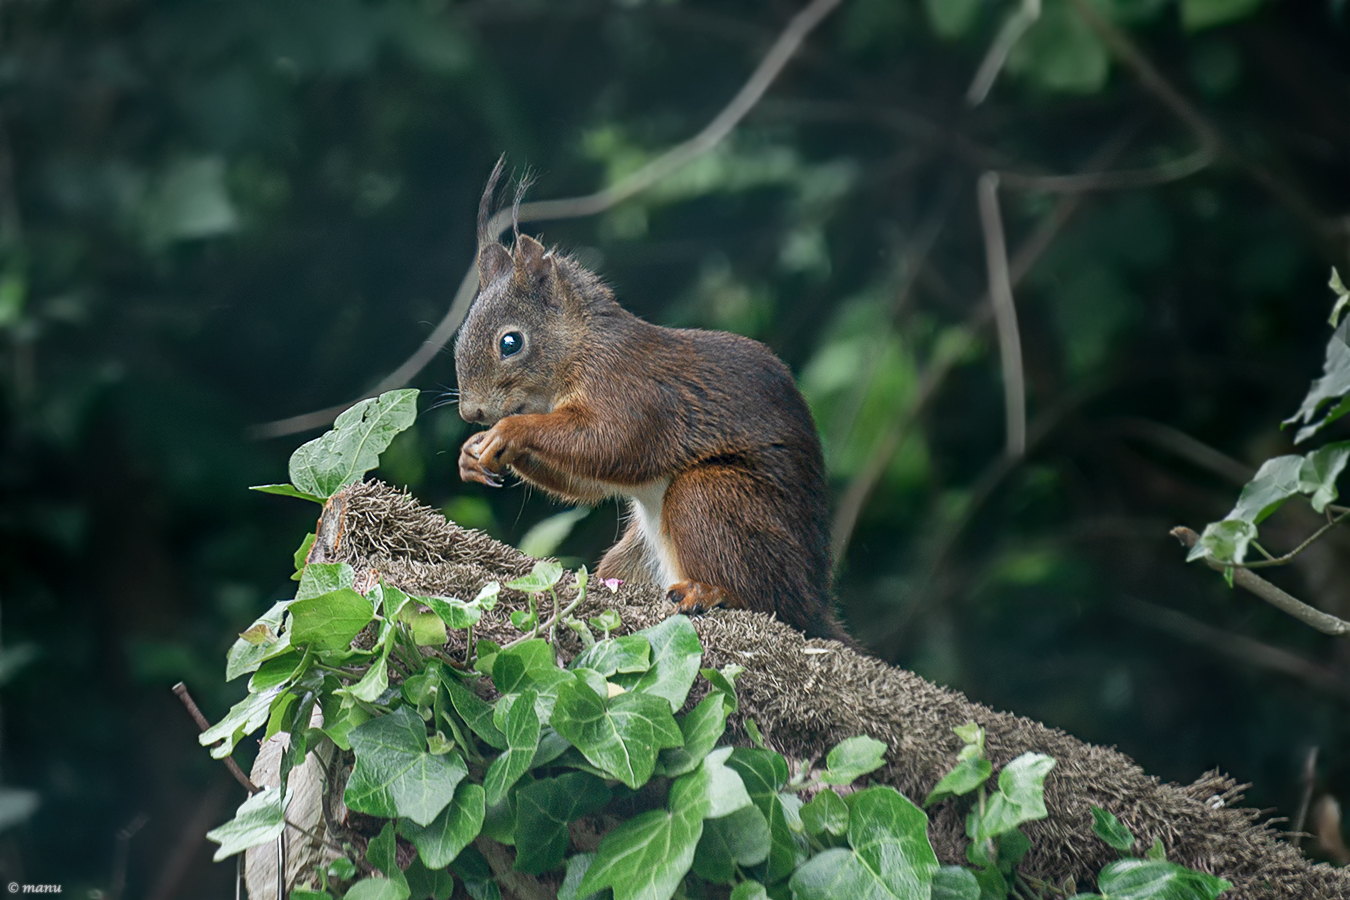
[[703, 432]]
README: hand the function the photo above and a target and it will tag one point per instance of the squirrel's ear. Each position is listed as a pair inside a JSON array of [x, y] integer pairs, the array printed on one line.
[[493, 260], [531, 259]]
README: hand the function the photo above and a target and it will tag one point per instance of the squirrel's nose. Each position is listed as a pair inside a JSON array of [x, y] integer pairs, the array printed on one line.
[[471, 413]]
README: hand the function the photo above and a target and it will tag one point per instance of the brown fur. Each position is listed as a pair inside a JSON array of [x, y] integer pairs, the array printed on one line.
[[706, 426]]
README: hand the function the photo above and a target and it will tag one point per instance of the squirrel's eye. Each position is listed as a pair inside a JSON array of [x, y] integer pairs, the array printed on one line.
[[510, 343]]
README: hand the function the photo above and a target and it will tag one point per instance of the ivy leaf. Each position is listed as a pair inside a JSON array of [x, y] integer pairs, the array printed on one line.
[[522, 738], [1226, 541], [1275, 482], [627, 654], [374, 683], [702, 726], [329, 621], [453, 829], [1330, 388], [257, 643], [1020, 797], [543, 576], [395, 774], [286, 490], [890, 856], [676, 654], [382, 851], [955, 883], [749, 890], [1342, 297], [529, 666], [261, 818], [1155, 879], [964, 778], [646, 857], [545, 536], [577, 866], [825, 814], [853, 758], [245, 717], [475, 711], [1110, 829], [620, 736], [764, 773], [324, 578], [722, 786], [340, 457], [1319, 471], [543, 810], [455, 613], [740, 839]]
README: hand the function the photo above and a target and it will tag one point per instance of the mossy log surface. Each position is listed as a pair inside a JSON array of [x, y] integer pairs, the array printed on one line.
[[807, 695]]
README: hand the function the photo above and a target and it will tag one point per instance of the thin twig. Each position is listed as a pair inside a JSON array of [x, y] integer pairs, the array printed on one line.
[[1289, 557], [203, 724], [1005, 315], [1248, 580], [1235, 646], [1118, 180], [782, 51], [1013, 28], [1305, 801]]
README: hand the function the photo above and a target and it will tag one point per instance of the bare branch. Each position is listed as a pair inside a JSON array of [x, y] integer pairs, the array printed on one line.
[[1323, 622], [1005, 315], [202, 723], [1013, 28], [782, 51]]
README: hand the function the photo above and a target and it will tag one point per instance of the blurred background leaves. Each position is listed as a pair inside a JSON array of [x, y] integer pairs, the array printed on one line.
[[216, 214]]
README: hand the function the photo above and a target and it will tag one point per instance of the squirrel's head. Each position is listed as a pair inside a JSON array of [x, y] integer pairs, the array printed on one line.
[[518, 345]]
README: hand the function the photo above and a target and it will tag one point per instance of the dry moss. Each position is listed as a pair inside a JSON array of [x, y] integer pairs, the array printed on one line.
[[807, 695]]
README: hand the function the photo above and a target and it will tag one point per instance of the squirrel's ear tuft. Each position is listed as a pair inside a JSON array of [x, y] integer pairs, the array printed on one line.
[[531, 259], [493, 260]]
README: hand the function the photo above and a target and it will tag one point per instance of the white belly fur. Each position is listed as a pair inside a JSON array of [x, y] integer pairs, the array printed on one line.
[[646, 509]]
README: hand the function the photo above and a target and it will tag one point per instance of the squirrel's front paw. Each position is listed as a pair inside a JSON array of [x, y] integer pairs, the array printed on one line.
[[471, 467], [694, 597]]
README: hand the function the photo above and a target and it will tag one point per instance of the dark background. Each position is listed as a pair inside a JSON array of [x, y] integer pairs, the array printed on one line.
[[215, 214]]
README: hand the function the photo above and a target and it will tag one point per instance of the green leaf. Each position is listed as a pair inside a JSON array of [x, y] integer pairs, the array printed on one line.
[[825, 814], [890, 855], [620, 736], [577, 866], [1226, 541], [764, 773], [853, 758], [522, 738], [1319, 471], [1152, 879], [382, 852], [374, 683], [276, 671], [955, 883], [543, 576], [426, 884], [1342, 297], [257, 643], [1020, 797], [301, 554], [453, 829], [453, 612], [530, 666], [749, 890], [1275, 482], [474, 711], [964, 778], [702, 726], [1330, 388], [724, 682], [646, 857], [286, 490], [427, 630], [676, 654], [324, 578], [627, 654], [376, 888], [1199, 14], [334, 460], [543, 810], [395, 775], [261, 818], [329, 621], [544, 538], [245, 717], [739, 839], [723, 789], [1110, 829]]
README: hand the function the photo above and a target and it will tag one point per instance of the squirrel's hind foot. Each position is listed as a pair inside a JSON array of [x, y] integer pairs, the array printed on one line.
[[694, 597]]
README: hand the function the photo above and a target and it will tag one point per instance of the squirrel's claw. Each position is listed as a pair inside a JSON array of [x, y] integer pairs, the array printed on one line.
[[693, 597]]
